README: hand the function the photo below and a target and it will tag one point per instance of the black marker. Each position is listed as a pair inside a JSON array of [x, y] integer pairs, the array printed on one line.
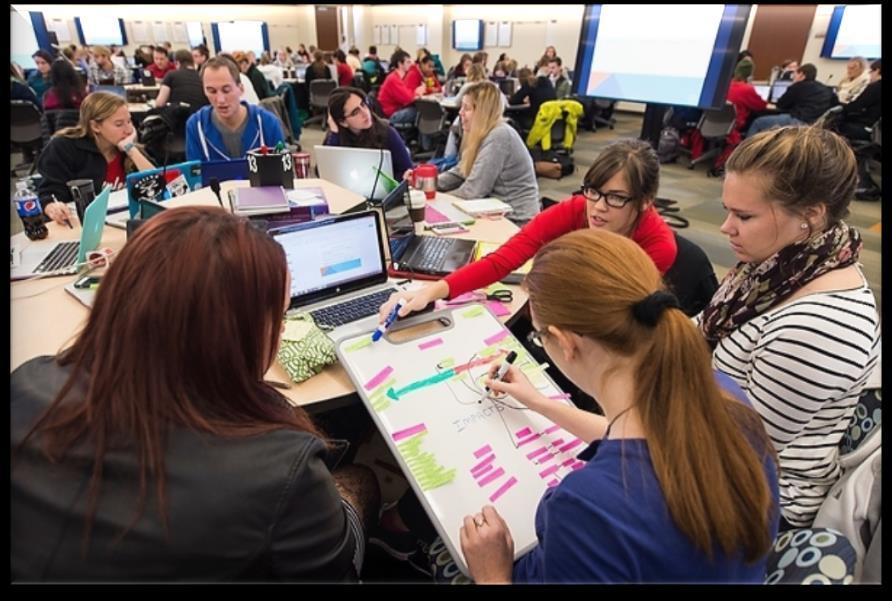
[[503, 368]]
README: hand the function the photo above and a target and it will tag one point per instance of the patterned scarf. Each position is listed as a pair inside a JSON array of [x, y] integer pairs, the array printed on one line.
[[750, 289]]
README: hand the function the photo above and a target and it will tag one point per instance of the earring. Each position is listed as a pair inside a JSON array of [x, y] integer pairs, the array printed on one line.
[[803, 226]]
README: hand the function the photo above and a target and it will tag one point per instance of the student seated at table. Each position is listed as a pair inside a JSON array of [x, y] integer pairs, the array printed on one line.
[[493, 160], [794, 323], [856, 80], [105, 72], [396, 97], [533, 91], [249, 69], [18, 89], [182, 85], [229, 127], [352, 123], [618, 192], [153, 448], [423, 73], [39, 80], [803, 102], [102, 148], [67, 90], [161, 64], [680, 479]]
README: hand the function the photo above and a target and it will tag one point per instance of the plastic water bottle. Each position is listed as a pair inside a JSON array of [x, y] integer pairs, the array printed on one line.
[[28, 207]]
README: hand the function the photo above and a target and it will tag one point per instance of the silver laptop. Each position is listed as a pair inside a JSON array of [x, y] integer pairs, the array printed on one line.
[[355, 169], [62, 258], [763, 91], [338, 271]]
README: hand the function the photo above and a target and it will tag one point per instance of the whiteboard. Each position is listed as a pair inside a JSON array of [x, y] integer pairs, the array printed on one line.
[[505, 34], [60, 27], [395, 34], [159, 32], [458, 449], [140, 32], [490, 35], [421, 35]]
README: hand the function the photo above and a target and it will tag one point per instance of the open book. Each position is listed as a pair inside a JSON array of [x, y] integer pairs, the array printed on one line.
[[483, 206]]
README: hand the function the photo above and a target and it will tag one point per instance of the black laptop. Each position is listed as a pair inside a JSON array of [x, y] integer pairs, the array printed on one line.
[[411, 254]]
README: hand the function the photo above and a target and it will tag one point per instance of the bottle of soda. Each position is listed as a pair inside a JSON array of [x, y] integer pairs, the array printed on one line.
[[28, 207]]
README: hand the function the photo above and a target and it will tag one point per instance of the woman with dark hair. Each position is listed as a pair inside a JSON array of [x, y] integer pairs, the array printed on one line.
[[352, 123], [40, 80], [153, 448], [533, 91], [318, 69], [68, 89]]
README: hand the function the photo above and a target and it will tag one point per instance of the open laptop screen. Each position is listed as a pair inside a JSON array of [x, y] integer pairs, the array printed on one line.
[[763, 91], [332, 256]]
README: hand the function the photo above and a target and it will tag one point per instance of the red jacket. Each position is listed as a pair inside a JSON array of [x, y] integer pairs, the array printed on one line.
[[415, 78], [652, 235], [345, 75], [746, 100], [157, 73], [395, 94]]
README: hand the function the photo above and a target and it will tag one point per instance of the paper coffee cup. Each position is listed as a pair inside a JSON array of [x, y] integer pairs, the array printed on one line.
[[416, 205]]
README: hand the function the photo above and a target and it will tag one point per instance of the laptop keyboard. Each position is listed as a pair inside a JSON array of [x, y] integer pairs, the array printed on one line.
[[431, 254], [62, 256], [351, 310]]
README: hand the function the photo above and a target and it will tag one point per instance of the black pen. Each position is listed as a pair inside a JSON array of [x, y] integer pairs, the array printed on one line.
[[503, 368], [67, 222]]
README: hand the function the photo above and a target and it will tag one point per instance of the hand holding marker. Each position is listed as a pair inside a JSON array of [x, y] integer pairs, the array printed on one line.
[[379, 331], [503, 368]]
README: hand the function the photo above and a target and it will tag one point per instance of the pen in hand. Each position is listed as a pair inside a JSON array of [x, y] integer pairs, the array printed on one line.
[[394, 313], [66, 220], [503, 368]]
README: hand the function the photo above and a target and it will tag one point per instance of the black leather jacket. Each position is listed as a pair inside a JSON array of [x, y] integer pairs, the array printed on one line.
[[259, 508]]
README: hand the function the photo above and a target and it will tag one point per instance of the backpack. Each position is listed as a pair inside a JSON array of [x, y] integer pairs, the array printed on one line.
[[669, 145], [552, 164]]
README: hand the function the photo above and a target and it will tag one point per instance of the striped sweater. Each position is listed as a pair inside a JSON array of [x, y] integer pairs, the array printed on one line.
[[803, 366]]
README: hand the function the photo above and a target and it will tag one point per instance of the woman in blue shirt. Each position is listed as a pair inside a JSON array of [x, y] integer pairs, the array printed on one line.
[[40, 80], [352, 123], [680, 483]]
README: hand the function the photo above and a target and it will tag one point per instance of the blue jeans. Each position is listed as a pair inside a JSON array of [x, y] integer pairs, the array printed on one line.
[[407, 116], [769, 121]]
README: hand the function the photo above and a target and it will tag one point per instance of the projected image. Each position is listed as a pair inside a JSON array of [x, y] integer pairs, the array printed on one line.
[[667, 54], [467, 34], [103, 31], [242, 35], [855, 30]]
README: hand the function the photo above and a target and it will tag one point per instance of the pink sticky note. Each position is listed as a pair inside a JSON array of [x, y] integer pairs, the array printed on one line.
[[526, 440], [557, 442], [551, 429], [380, 377], [523, 432], [493, 476], [502, 489], [570, 445], [536, 453], [482, 451], [430, 343], [406, 433], [479, 473], [577, 465], [432, 215], [545, 459], [553, 483], [498, 309], [495, 338], [568, 461]]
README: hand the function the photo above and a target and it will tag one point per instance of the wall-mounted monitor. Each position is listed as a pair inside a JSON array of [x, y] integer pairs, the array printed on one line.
[[674, 54], [854, 30], [230, 36], [195, 33], [467, 34], [101, 30]]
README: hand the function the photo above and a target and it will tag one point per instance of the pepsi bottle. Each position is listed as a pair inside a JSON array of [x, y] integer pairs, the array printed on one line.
[[28, 207]]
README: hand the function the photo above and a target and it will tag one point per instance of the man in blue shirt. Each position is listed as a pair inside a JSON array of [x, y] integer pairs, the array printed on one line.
[[229, 127]]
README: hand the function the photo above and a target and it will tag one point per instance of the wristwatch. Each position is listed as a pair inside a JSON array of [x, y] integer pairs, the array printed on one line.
[[127, 147]]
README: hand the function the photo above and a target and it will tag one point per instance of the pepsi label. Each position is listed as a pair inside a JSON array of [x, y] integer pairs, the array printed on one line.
[[28, 207]]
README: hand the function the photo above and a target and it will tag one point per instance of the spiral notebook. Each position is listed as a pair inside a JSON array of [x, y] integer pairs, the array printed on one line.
[[483, 206]]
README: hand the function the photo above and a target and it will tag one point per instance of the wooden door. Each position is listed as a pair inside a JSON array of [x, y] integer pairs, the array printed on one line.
[[780, 31], [326, 27]]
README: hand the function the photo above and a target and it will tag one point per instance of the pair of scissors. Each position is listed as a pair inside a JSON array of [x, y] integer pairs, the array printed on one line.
[[502, 295]]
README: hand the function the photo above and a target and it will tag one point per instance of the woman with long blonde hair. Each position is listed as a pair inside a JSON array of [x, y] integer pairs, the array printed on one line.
[[101, 147], [493, 161], [680, 481]]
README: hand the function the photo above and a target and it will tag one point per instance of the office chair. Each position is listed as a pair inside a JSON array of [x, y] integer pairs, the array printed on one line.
[[431, 121], [604, 112], [56, 119], [320, 89], [714, 127], [865, 152], [507, 86], [25, 131]]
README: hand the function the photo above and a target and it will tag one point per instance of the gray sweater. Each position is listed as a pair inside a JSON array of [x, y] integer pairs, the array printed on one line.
[[504, 170]]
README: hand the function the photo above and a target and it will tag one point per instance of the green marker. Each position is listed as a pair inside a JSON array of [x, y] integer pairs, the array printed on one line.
[[280, 146]]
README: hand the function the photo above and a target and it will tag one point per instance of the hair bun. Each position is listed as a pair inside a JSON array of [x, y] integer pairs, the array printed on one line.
[[648, 310]]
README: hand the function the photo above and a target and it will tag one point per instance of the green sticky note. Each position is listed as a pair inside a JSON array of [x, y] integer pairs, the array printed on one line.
[[473, 312]]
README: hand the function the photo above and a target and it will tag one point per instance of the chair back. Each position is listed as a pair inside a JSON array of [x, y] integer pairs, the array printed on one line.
[[691, 278], [829, 116], [360, 81], [718, 123], [507, 86], [876, 133], [56, 119], [372, 99], [320, 89], [431, 117], [24, 122]]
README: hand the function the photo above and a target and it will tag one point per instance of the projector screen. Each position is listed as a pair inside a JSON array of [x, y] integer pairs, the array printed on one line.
[[104, 31], [467, 34], [665, 54], [242, 35], [854, 30], [195, 33], [23, 41]]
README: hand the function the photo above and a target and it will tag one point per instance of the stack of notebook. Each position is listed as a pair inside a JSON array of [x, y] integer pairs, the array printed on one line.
[[260, 200]]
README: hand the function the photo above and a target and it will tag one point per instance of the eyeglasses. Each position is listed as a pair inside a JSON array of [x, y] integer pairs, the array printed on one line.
[[355, 112], [617, 201], [535, 337]]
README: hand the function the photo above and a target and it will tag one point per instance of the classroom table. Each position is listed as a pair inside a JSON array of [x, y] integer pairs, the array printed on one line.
[[44, 318]]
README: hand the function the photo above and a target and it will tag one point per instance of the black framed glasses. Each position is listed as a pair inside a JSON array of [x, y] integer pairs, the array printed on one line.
[[362, 104], [616, 201]]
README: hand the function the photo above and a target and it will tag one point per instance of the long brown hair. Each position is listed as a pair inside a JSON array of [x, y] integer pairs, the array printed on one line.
[[183, 329], [373, 137], [701, 441]]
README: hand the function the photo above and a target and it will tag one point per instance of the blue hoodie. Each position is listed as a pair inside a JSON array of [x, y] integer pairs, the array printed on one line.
[[205, 143]]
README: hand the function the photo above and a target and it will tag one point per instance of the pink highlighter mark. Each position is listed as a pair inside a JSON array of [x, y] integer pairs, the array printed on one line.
[[526, 440], [479, 473], [482, 451], [382, 375], [523, 432], [548, 471], [502, 489], [408, 432], [553, 428], [496, 474], [570, 445], [430, 344], [480, 465], [536, 453], [546, 459], [495, 338]]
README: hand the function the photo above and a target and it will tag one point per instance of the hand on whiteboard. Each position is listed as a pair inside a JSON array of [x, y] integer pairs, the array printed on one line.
[[416, 300], [488, 547], [516, 384]]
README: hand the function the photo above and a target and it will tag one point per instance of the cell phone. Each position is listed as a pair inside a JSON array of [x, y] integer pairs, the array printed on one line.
[[87, 282], [444, 229]]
